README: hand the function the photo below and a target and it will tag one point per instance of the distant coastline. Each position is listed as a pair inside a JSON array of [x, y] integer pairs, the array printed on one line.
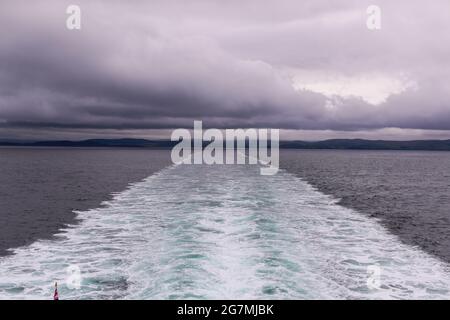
[[332, 144]]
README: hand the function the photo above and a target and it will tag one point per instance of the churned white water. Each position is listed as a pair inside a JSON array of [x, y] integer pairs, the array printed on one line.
[[223, 232]]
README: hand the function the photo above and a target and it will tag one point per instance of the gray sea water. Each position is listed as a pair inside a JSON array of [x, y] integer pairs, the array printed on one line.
[[226, 232], [408, 191], [40, 188]]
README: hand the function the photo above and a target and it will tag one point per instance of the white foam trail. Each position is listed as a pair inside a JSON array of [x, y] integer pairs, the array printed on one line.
[[223, 232]]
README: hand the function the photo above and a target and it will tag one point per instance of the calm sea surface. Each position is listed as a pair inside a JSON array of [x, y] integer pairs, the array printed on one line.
[[41, 187], [408, 191]]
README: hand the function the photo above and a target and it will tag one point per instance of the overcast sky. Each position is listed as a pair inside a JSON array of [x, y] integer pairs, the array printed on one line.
[[141, 68]]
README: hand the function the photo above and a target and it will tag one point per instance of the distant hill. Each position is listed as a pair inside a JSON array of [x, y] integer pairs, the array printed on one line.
[[340, 144], [122, 143], [360, 144]]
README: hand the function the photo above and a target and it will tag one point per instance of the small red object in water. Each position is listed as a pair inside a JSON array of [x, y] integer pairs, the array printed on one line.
[[56, 295]]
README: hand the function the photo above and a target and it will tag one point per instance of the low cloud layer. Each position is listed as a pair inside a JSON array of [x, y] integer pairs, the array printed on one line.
[[309, 65]]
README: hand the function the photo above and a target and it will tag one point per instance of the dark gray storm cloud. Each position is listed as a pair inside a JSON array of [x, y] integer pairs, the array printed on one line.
[[163, 64]]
